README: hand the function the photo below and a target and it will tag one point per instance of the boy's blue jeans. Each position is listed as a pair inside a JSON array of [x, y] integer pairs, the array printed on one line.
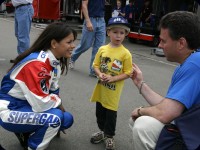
[[89, 39], [23, 19]]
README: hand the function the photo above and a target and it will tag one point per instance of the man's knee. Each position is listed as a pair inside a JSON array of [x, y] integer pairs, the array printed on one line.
[[145, 132], [146, 125]]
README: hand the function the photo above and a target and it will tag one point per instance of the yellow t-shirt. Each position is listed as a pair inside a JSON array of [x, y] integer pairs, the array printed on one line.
[[113, 61]]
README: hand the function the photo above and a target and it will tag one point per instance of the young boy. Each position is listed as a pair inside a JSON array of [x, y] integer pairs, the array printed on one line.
[[112, 64]]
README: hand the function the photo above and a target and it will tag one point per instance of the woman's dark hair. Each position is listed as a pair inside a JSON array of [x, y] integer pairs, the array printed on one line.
[[183, 24], [56, 31]]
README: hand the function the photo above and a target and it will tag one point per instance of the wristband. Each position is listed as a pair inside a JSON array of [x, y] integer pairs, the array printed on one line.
[[140, 89], [138, 110]]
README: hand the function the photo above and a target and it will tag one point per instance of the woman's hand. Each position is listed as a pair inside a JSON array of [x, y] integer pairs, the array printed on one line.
[[61, 108]]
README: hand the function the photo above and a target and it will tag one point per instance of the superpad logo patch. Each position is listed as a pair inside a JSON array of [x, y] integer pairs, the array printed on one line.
[[33, 118]]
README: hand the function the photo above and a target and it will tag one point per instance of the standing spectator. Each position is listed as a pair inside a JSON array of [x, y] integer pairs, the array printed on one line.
[[146, 12], [23, 18], [93, 32], [112, 64], [180, 41], [30, 104], [1, 1], [1, 11], [118, 10], [130, 12], [140, 5]]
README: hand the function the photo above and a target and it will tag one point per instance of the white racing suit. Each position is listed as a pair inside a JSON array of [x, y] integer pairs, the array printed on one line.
[[29, 100]]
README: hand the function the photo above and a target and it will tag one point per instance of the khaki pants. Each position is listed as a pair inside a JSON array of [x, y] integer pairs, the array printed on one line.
[[146, 131]]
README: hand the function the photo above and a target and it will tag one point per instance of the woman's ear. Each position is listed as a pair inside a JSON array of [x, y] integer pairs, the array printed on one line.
[[53, 43]]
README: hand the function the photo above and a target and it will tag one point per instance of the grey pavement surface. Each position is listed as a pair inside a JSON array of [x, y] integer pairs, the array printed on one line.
[[76, 89]]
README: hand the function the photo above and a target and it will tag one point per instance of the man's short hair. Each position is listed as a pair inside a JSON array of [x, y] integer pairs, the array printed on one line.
[[183, 24]]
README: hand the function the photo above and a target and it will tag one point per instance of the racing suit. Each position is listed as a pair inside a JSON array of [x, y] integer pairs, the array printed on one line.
[[29, 97]]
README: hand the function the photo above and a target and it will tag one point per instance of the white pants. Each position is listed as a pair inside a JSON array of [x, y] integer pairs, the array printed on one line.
[[146, 131]]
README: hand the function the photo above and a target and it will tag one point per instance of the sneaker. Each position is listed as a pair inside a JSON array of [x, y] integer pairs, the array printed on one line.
[[23, 139], [1, 148], [110, 144], [71, 65], [12, 61], [97, 137]]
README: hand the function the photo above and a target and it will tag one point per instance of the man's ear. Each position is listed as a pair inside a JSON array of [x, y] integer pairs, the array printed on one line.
[[182, 43]]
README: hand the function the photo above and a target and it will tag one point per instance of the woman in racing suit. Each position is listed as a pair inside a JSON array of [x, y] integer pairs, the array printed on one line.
[[29, 94]]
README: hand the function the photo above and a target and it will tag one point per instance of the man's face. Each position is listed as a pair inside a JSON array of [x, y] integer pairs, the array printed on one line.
[[169, 46]]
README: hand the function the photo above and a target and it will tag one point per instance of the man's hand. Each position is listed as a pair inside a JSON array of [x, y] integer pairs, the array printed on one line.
[[136, 75], [134, 114], [89, 26]]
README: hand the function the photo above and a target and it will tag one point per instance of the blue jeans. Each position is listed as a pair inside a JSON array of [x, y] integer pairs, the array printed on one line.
[[89, 39], [23, 19]]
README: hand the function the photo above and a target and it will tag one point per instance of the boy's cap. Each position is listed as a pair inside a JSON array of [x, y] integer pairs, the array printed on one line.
[[118, 22]]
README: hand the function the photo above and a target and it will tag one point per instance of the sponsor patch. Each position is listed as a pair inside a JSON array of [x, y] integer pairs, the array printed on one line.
[[116, 65], [43, 85]]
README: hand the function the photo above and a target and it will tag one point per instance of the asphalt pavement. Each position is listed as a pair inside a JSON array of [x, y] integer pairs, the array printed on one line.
[[76, 88]]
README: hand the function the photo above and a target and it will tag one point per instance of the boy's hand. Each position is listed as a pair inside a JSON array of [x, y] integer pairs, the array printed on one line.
[[102, 77], [109, 78]]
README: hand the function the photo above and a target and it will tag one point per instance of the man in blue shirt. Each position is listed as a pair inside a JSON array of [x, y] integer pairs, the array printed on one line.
[[180, 41], [93, 32]]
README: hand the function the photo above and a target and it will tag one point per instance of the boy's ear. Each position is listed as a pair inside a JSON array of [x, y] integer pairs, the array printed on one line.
[[108, 31], [126, 33]]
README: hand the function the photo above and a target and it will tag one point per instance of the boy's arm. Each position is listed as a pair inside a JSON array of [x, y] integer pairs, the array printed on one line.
[[97, 71], [100, 75]]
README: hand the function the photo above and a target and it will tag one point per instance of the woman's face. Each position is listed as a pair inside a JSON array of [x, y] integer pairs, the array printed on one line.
[[63, 48]]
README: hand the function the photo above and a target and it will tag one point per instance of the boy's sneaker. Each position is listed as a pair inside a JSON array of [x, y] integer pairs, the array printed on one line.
[[97, 137], [110, 143], [71, 64]]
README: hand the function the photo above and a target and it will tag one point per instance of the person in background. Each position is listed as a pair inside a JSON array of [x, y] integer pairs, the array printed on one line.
[[118, 10], [93, 32], [112, 64], [130, 12], [30, 105], [146, 12], [1, 1], [180, 41], [23, 18]]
